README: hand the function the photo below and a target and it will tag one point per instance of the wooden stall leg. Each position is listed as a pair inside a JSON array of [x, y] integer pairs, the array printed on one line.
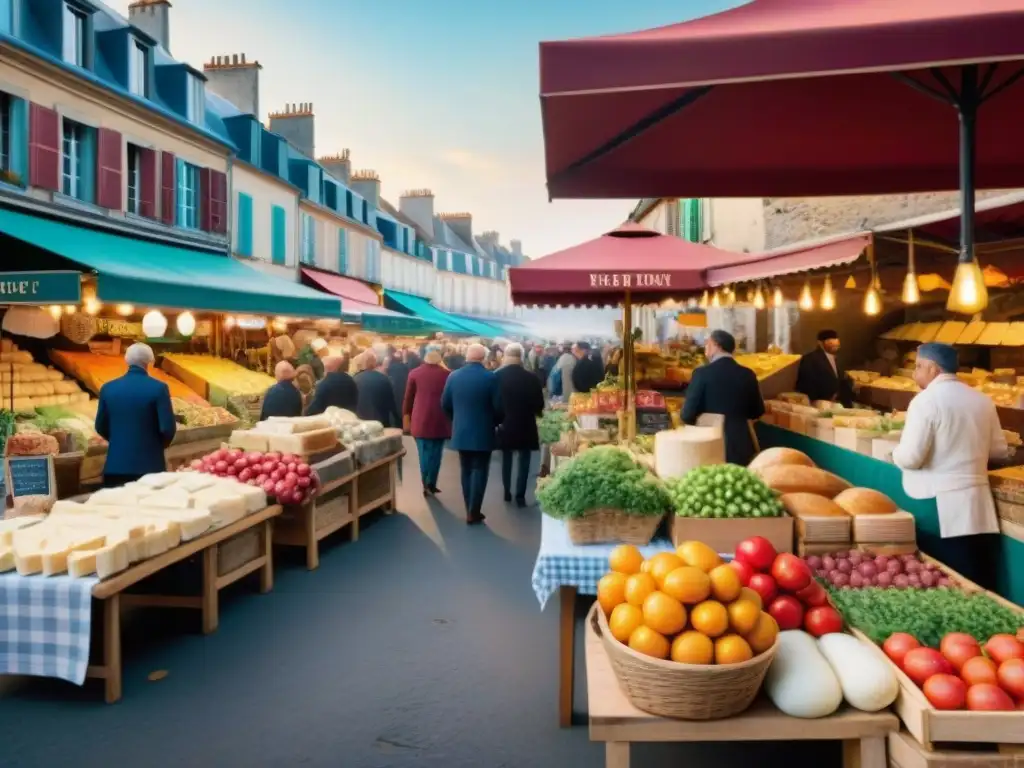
[[868, 752], [312, 545], [616, 754], [353, 507], [112, 648], [209, 600], [392, 506], [267, 571], [566, 656]]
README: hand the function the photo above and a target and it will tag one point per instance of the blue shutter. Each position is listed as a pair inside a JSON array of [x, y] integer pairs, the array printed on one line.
[[278, 235], [19, 135], [692, 225], [343, 251], [6, 17], [243, 246]]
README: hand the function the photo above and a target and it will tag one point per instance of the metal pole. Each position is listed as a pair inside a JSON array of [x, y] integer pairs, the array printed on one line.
[[967, 110]]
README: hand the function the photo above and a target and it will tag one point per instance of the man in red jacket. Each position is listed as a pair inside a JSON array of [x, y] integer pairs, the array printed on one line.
[[425, 419]]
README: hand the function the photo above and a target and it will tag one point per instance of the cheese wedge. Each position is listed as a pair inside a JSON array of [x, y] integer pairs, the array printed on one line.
[[224, 509], [115, 497], [255, 499], [158, 480], [6, 560], [248, 440], [168, 498], [191, 482], [55, 559], [28, 564], [8, 527], [65, 507], [189, 523], [104, 562]]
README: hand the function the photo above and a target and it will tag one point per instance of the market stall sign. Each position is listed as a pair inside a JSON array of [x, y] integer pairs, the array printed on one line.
[[40, 288], [118, 328], [30, 475], [630, 280], [652, 422]]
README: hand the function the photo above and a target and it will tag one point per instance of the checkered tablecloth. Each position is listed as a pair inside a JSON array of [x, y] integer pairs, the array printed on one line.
[[560, 563], [45, 626]]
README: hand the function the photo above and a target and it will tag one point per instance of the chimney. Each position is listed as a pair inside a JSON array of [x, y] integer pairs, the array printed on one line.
[[516, 246], [152, 17], [339, 166], [295, 123], [237, 80], [461, 224], [488, 241], [418, 205], [367, 184]]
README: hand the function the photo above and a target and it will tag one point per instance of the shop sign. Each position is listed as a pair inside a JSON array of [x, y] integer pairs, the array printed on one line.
[[658, 280], [118, 329], [40, 288]]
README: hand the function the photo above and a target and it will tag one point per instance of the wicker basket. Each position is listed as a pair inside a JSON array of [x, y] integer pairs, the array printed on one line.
[[610, 526], [682, 691]]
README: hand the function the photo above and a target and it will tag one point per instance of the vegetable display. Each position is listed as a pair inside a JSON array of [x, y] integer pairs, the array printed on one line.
[[284, 477], [722, 491], [851, 568], [551, 425], [604, 477]]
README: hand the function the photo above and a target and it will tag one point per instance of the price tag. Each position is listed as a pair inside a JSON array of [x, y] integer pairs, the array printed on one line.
[[652, 422], [30, 475]]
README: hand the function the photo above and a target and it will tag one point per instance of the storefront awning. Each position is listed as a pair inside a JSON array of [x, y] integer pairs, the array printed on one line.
[[360, 305], [762, 266], [423, 309], [501, 326], [152, 274]]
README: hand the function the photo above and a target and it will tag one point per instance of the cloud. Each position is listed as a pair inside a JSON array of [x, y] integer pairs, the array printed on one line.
[[474, 162]]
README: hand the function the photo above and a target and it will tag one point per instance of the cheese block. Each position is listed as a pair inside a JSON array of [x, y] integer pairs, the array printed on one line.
[[678, 451], [160, 537], [6, 560], [255, 499], [8, 527], [290, 425], [194, 481], [29, 563], [304, 443], [248, 440], [950, 331], [158, 480], [116, 497], [993, 334], [224, 507], [168, 498], [188, 523], [55, 558], [104, 562]]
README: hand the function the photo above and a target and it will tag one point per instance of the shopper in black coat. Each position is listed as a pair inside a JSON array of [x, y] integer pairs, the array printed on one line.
[[523, 398], [376, 395], [398, 372], [336, 388], [725, 387], [283, 398]]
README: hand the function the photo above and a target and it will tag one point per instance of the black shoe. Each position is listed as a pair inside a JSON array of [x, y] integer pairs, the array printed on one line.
[[520, 502], [428, 492], [474, 519], [434, 489], [508, 497]]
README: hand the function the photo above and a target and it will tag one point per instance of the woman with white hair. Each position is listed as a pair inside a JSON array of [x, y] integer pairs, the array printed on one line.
[[517, 438], [135, 417]]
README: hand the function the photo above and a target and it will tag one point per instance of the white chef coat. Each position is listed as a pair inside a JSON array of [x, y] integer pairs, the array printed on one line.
[[950, 433]]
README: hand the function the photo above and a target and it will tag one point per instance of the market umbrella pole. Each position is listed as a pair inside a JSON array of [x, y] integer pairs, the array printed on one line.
[[629, 382]]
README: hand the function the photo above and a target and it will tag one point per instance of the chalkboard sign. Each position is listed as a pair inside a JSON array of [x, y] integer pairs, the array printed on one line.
[[651, 422], [30, 475]]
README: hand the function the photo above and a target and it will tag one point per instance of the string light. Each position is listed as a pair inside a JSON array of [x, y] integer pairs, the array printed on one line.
[[703, 303], [70, 309], [872, 301], [125, 310], [55, 311], [716, 300], [92, 306], [828, 295], [154, 324], [186, 324]]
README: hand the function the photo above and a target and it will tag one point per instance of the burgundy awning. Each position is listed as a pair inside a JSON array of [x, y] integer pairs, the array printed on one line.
[[775, 264], [652, 267], [786, 98]]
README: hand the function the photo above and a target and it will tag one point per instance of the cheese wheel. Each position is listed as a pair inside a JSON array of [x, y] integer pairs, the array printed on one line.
[[811, 505], [771, 457], [865, 501], [792, 478], [677, 451]]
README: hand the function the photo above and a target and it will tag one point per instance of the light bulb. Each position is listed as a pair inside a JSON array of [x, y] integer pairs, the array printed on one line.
[[872, 301], [968, 294], [124, 310], [806, 302], [716, 301], [154, 324], [186, 324], [703, 303], [750, 294], [828, 296], [851, 283], [758, 298], [691, 303], [92, 306], [55, 311], [229, 322], [777, 298], [70, 309], [911, 290]]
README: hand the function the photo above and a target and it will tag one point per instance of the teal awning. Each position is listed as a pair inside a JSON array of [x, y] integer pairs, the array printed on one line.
[[481, 327], [423, 309], [142, 272], [502, 326]]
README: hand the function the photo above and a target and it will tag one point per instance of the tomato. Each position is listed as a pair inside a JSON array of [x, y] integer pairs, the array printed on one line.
[[764, 585], [958, 648], [197, 464], [979, 670], [743, 569], [787, 612], [922, 663], [757, 552], [989, 698], [999, 648], [897, 645], [823, 620], [945, 691], [1011, 677], [790, 572], [813, 594]]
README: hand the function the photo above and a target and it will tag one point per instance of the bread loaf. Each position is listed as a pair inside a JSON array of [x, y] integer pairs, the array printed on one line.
[[771, 457], [811, 505], [793, 478], [865, 501]]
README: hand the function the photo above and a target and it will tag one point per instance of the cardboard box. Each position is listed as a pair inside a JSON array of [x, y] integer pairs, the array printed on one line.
[[882, 448], [724, 535]]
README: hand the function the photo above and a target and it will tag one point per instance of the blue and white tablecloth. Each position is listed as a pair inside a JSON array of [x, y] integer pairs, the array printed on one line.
[[560, 563], [45, 626]]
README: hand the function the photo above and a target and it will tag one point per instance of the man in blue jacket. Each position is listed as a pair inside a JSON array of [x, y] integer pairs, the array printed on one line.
[[472, 402], [135, 417]]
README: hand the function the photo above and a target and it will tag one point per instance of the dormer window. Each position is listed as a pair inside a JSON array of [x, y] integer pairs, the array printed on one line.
[[75, 23], [138, 68], [196, 103]]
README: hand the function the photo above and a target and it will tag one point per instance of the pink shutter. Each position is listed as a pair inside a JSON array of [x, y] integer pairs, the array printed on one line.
[[205, 195], [109, 165], [168, 188], [147, 183], [218, 202], [44, 148]]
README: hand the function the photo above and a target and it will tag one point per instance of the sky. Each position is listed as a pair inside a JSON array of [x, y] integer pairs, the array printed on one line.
[[436, 94]]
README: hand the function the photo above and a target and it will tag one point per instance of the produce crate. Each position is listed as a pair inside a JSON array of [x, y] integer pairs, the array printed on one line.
[[186, 435], [906, 752], [374, 488], [805, 548], [723, 535], [334, 467], [235, 552]]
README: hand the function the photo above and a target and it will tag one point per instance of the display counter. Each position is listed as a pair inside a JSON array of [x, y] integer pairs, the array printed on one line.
[[868, 472]]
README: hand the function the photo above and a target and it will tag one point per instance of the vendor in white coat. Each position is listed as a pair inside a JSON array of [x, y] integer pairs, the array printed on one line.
[[951, 432]]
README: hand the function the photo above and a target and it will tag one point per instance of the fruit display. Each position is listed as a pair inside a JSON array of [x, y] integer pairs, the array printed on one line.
[[605, 477], [26, 384], [850, 569], [71, 430], [551, 425], [224, 377], [688, 606], [95, 370], [722, 490], [282, 476]]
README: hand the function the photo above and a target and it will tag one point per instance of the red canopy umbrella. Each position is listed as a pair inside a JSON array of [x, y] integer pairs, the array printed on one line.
[[631, 261], [792, 97]]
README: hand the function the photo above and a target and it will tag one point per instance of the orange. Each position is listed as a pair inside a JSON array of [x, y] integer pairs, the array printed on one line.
[[664, 614], [764, 633], [746, 593], [699, 555], [725, 583], [710, 618], [611, 590], [624, 620], [732, 649], [638, 587], [693, 648], [626, 559], [743, 616], [688, 585], [645, 640], [645, 566], [662, 564]]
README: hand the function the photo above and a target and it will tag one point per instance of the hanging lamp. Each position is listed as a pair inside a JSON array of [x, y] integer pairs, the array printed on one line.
[[703, 303], [873, 297], [759, 298], [806, 302], [851, 283], [716, 300], [828, 295], [777, 298], [911, 290]]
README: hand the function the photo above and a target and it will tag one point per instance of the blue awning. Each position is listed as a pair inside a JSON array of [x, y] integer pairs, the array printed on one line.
[[150, 274], [505, 327], [423, 309]]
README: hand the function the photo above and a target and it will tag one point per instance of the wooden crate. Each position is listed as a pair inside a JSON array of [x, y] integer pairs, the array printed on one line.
[[906, 752], [235, 552], [724, 535], [374, 485]]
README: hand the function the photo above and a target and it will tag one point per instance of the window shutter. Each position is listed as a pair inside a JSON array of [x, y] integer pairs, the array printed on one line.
[[147, 182], [278, 235], [44, 148], [168, 188], [244, 228], [218, 203], [205, 200], [109, 164]]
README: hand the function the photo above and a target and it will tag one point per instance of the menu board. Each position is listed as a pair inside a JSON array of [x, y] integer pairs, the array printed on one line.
[[30, 475]]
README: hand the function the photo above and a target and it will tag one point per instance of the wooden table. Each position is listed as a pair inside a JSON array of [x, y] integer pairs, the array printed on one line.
[[111, 592], [615, 721]]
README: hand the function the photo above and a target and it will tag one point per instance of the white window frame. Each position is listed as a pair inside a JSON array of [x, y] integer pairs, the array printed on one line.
[[188, 196], [74, 26], [5, 132], [133, 199], [138, 68], [196, 100], [72, 139]]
